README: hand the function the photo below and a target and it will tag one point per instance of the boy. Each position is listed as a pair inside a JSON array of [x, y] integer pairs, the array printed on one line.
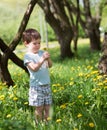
[[37, 63]]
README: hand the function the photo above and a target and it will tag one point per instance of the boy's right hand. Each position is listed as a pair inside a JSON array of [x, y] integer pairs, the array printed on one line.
[[46, 55]]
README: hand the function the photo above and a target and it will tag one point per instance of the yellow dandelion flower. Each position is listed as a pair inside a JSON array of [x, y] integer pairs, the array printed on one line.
[[86, 103], [14, 86], [99, 77], [15, 98], [63, 106], [105, 87], [15, 91], [54, 91], [105, 81], [72, 68], [79, 115], [80, 96], [94, 72], [88, 66], [58, 120], [61, 88], [80, 74], [91, 124], [9, 115], [75, 128], [25, 103], [71, 83], [11, 95], [71, 78], [95, 89], [1, 87], [49, 118], [56, 85], [100, 84], [2, 97]]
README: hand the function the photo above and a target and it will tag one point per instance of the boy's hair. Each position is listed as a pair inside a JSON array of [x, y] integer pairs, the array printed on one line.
[[30, 34]]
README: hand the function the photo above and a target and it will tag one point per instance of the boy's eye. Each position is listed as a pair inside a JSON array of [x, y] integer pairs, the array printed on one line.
[[35, 43]]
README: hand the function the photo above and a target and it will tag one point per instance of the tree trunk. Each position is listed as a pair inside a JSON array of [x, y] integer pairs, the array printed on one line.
[[8, 51], [12, 56], [65, 43], [102, 66], [5, 75], [95, 40], [56, 16]]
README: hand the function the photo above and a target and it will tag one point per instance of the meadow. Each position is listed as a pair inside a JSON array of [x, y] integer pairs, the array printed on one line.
[[79, 95]]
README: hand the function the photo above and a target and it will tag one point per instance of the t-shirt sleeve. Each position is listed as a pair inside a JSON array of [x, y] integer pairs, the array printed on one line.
[[27, 59]]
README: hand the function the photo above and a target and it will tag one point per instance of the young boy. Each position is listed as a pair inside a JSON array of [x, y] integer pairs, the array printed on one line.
[[37, 63]]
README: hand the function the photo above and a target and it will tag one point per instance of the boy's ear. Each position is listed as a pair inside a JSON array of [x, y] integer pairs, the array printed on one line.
[[25, 43]]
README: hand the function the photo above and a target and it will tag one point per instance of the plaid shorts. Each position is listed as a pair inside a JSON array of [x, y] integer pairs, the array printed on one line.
[[40, 95]]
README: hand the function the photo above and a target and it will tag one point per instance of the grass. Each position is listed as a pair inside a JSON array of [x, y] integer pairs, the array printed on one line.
[[79, 95]]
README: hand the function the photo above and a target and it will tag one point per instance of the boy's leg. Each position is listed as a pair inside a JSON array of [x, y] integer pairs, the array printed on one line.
[[39, 114], [46, 112]]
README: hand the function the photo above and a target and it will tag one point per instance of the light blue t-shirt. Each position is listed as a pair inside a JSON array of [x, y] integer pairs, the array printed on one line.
[[40, 77]]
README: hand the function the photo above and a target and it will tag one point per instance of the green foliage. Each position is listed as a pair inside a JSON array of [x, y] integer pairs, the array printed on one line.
[[11, 15], [79, 95]]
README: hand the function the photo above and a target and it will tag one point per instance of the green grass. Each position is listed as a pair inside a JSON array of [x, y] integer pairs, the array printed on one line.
[[79, 95]]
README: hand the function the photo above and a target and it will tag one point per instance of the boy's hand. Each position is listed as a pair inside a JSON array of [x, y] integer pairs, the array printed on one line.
[[46, 55]]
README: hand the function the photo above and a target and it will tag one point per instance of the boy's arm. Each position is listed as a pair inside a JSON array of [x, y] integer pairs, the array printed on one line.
[[35, 66]]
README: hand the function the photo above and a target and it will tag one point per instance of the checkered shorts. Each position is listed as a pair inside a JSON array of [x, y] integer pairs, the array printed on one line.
[[40, 95]]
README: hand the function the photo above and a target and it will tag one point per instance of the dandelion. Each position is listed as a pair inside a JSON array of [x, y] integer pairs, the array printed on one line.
[[105, 81], [80, 74], [71, 78], [80, 96], [1, 87], [14, 86], [99, 77], [15, 98], [54, 91], [94, 72], [95, 89], [56, 85], [86, 103], [105, 87], [49, 118], [79, 115], [72, 68], [75, 128], [63, 106], [9, 115], [58, 120], [2, 97], [61, 88], [100, 84], [91, 124], [25, 103], [71, 83], [11, 95]]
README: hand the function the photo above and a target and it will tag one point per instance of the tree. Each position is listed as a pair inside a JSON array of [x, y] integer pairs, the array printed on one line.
[[102, 66], [91, 23], [64, 17], [7, 51], [56, 15]]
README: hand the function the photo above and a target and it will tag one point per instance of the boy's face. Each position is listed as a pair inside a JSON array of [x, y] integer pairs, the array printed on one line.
[[34, 45]]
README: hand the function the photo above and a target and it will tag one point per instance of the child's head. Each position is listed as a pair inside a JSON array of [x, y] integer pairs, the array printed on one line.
[[30, 35]]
